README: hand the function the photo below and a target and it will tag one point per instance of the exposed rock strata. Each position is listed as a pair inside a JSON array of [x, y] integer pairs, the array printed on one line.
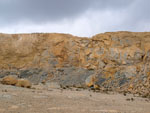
[[113, 61]]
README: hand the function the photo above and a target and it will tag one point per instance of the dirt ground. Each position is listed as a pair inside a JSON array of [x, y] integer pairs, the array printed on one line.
[[48, 100]]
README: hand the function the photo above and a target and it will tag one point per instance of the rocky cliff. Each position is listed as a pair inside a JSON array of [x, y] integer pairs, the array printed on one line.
[[117, 61]]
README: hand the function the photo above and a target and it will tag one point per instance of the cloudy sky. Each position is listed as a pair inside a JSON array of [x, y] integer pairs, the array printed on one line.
[[77, 17]]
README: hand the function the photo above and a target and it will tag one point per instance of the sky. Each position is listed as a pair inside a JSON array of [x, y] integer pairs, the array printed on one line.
[[76, 17]]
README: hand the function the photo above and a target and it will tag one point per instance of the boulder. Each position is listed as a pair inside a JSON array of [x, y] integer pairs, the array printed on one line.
[[23, 83], [9, 80]]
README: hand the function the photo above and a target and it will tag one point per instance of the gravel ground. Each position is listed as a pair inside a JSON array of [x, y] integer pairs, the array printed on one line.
[[49, 100]]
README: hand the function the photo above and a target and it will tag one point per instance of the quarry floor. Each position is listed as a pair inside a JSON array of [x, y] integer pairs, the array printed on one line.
[[41, 100]]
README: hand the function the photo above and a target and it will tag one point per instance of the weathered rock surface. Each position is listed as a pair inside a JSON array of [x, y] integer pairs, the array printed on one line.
[[117, 61]]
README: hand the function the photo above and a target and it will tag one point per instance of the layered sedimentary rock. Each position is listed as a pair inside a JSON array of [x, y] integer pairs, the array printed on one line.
[[114, 61]]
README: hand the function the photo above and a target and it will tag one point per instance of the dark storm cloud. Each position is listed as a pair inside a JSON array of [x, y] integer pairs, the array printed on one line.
[[52, 10]]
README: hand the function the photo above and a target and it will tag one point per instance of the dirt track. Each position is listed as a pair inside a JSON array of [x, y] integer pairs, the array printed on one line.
[[40, 100]]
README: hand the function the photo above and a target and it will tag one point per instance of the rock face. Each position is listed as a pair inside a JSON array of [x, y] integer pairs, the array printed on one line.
[[114, 60]]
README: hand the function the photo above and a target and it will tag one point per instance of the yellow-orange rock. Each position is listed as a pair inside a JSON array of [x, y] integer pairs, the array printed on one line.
[[23, 83], [9, 80], [41, 50]]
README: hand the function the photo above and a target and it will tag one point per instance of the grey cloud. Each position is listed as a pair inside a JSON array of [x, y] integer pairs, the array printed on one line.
[[52, 10], [136, 14], [112, 4], [41, 10], [141, 10], [95, 15]]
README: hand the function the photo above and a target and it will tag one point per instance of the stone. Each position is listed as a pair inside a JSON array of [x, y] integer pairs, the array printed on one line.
[[23, 83], [9, 80], [53, 85], [90, 81]]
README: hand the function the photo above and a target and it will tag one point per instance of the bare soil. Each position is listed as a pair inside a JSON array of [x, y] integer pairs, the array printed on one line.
[[49, 100]]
